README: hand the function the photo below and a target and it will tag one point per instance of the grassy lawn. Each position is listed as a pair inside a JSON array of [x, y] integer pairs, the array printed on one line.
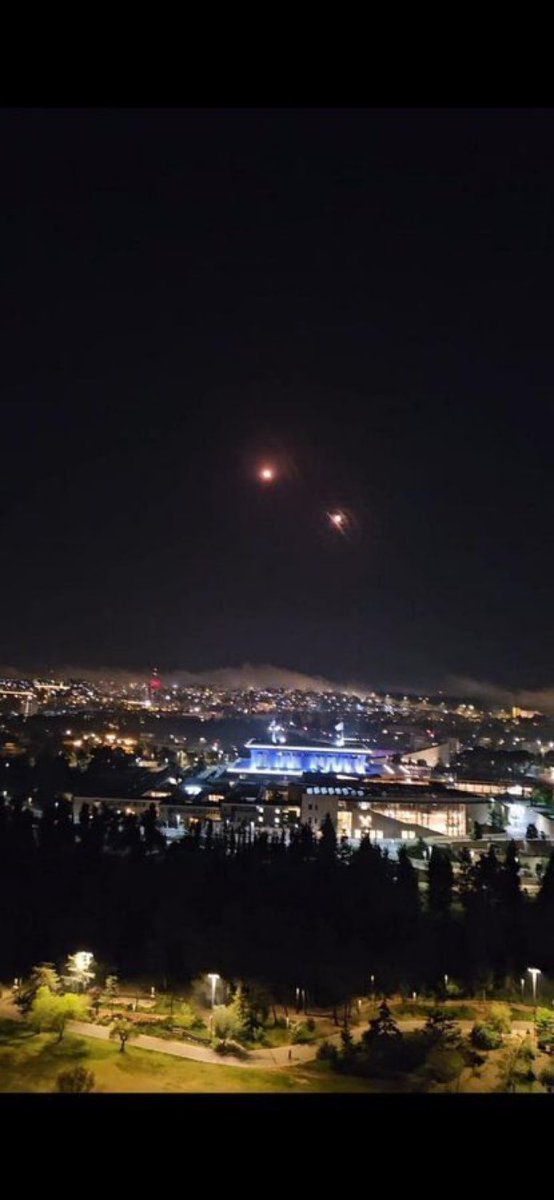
[[31, 1063]]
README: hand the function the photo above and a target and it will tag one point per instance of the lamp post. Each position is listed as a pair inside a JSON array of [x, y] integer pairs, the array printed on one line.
[[522, 982], [213, 978], [534, 972]]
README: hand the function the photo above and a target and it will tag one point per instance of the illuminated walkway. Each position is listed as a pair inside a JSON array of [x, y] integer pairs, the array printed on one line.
[[267, 1057], [277, 1056]]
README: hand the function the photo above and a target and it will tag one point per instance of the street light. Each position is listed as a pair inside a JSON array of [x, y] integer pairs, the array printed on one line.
[[213, 979], [82, 960], [534, 973], [522, 982], [79, 967]]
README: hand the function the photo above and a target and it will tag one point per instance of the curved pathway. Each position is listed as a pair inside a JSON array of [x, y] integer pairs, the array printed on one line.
[[277, 1056], [266, 1057]]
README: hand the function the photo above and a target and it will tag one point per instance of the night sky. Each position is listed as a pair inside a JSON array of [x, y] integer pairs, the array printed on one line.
[[364, 298]]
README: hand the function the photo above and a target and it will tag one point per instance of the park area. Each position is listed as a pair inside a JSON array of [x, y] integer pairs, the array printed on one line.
[[33, 1062], [123, 1040]]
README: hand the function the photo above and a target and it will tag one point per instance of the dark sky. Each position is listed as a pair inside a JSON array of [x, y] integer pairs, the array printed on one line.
[[366, 295]]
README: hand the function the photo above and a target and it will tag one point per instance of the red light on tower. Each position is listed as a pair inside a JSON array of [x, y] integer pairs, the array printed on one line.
[[155, 683]]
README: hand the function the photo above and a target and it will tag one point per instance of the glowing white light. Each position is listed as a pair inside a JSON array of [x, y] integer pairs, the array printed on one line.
[[83, 960], [213, 978], [534, 972]]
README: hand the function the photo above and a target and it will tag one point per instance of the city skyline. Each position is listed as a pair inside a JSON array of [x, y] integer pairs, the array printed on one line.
[[258, 676]]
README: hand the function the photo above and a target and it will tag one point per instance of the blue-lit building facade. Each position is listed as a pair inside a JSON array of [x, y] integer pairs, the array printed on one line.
[[295, 759]]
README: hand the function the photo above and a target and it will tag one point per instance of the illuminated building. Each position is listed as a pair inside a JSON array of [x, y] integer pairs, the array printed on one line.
[[298, 757], [401, 815]]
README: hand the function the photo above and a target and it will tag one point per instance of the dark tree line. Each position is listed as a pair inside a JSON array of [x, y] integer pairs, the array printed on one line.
[[287, 912]]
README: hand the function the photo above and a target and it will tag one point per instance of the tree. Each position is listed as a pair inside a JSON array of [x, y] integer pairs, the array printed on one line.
[[497, 817], [440, 880], [345, 852], [444, 1064], [261, 1001], [407, 881], [153, 839], [347, 1044], [186, 1017], [384, 1025], [485, 876], [51, 1012], [75, 1079], [484, 1037], [121, 1030], [543, 794], [440, 1028], [42, 976], [417, 849], [509, 883], [84, 819], [111, 989], [246, 1015], [531, 833], [516, 1068], [544, 1022], [465, 876], [546, 894], [327, 848], [226, 1022], [95, 997], [547, 1078], [499, 1017]]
